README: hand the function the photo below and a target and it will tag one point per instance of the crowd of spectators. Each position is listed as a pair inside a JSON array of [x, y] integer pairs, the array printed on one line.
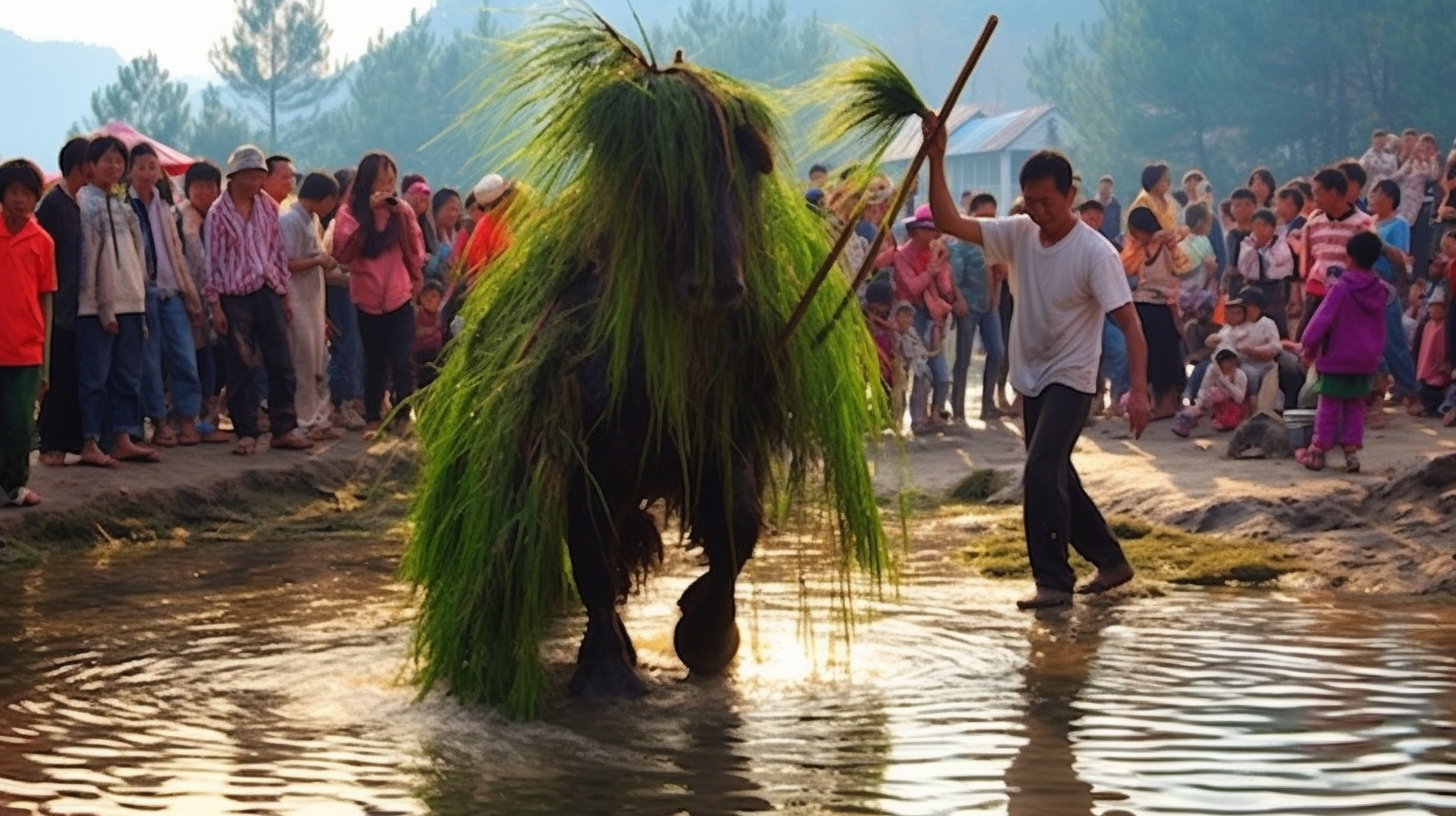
[[1226, 291], [142, 312]]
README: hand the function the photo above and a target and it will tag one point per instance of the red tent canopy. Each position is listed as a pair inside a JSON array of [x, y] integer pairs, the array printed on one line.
[[174, 161]]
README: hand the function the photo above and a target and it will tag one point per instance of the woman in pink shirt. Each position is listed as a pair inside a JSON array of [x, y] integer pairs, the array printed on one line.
[[385, 254], [922, 277]]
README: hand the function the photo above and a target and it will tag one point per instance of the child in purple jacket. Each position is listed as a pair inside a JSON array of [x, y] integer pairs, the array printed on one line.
[[1345, 340]]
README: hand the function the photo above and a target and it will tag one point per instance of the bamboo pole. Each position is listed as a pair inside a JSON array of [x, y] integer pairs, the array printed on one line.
[[845, 233], [903, 191]]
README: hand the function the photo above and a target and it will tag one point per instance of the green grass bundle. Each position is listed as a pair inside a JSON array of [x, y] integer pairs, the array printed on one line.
[[617, 153], [866, 100]]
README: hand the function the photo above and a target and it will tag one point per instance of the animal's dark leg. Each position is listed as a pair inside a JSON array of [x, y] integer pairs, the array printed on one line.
[[606, 660], [727, 524]]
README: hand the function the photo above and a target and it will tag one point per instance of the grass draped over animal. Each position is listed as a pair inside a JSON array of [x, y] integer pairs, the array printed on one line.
[[618, 147]]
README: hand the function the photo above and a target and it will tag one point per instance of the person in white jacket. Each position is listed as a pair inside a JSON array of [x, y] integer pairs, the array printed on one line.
[[1223, 393], [1267, 263]]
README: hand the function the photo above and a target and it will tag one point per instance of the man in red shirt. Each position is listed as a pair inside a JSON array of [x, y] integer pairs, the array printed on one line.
[[27, 283], [493, 195]]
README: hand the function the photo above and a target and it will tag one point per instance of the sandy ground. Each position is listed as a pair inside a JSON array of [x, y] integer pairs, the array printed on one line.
[[1389, 529]]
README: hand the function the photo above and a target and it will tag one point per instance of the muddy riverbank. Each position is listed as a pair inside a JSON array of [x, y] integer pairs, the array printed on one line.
[[1194, 515]]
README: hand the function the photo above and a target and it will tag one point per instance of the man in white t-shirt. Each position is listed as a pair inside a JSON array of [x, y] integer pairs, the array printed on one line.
[[1065, 278]]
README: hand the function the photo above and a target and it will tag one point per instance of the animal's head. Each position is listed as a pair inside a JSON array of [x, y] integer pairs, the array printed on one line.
[[705, 235], [664, 168]]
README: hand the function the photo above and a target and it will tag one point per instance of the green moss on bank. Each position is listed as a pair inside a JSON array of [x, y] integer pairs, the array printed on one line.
[[1157, 551]]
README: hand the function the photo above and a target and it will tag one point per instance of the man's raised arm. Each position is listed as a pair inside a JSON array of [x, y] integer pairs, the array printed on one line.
[[948, 219]]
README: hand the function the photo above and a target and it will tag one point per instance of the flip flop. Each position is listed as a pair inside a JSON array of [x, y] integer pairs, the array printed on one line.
[[24, 497], [247, 446]]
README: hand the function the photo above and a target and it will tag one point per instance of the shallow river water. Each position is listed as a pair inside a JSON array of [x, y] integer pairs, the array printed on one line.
[[266, 679]]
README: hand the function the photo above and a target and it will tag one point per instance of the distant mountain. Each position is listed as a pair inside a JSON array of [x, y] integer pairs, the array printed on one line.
[[928, 38], [48, 90]]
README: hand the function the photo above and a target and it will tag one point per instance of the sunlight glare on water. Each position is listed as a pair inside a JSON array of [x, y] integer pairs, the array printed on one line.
[[269, 678]]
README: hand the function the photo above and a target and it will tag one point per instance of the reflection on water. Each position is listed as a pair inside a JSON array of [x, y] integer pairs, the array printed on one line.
[[265, 679]]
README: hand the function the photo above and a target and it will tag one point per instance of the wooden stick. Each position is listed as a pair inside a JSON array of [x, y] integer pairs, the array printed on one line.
[[912, 172], [840, 243]]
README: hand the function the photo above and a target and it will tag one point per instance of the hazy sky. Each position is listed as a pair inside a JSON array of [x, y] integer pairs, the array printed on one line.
[[182, 31]]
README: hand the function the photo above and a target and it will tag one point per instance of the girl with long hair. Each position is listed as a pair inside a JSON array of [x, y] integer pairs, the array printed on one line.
[[377, 236]]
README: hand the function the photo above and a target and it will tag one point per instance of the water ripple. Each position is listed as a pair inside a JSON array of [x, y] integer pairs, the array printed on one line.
[[278, 691]]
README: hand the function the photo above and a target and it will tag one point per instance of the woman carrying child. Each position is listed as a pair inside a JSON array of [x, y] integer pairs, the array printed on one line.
[[1154, 256]]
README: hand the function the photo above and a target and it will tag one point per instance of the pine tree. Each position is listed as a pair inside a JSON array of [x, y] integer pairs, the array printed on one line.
[[748, 42], [146, 97], [277, 57], [219, 129]]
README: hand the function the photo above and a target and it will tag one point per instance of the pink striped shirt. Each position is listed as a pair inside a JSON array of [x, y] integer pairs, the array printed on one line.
[[1324, 242], [243, 256]]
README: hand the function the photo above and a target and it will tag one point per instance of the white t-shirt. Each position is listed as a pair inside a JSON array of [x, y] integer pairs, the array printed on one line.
[[1062, 293]]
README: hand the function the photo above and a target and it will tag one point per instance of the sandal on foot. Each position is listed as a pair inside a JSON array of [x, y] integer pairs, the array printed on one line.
[[164, 436], [53, 458], [24, 497], [289, 441], [1352, 462], [215, 437], [1312, 458], [247, 446], [188, 436]]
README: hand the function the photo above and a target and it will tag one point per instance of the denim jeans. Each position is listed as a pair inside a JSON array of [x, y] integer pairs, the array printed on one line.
[[346, 352], [1195, 380], [939, 371], [109, 376], [1114, 358], [1397, 359], [209, 369], [989, 326], [170, 358], [388, 347]]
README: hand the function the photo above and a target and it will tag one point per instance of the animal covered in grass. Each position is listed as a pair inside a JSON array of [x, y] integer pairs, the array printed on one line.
[[624, 351]]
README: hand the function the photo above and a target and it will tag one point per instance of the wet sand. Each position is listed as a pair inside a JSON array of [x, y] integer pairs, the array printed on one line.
[[1390, 528]]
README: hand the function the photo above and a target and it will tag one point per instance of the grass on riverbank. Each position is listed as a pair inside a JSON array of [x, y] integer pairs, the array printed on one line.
[[370, 502], [990, 538]]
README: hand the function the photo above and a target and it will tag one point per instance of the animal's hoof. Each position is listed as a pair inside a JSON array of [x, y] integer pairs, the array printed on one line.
[[606, 679], [706, 644]]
